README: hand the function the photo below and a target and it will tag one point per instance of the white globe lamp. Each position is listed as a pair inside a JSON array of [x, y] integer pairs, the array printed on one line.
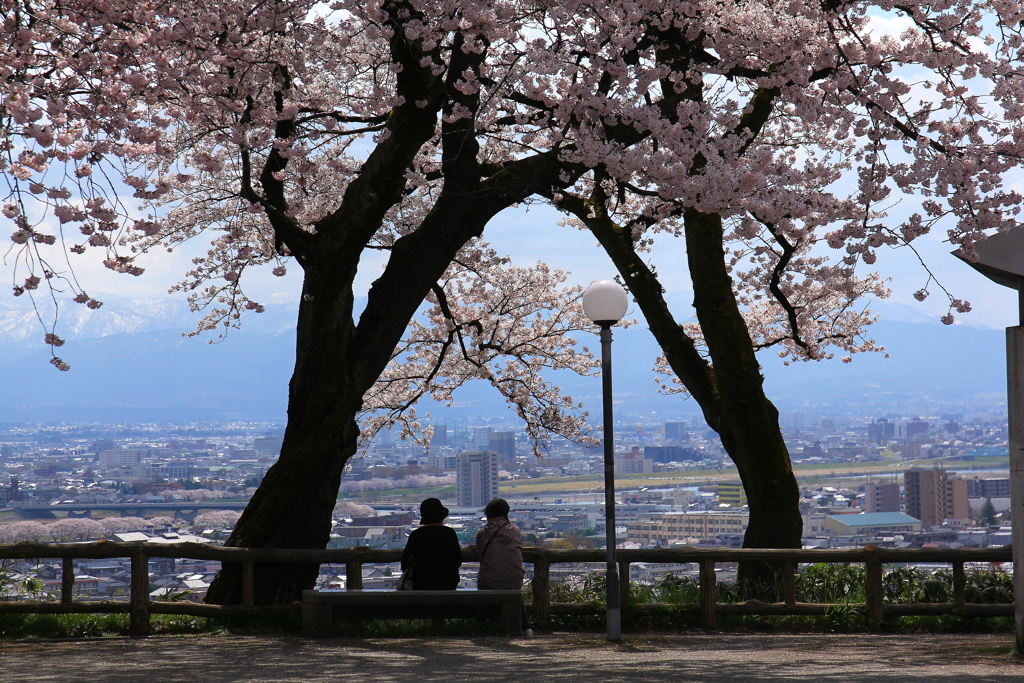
[[605, 302]]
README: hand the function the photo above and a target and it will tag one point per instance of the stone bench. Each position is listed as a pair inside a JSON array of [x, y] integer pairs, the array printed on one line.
[[320, 607]]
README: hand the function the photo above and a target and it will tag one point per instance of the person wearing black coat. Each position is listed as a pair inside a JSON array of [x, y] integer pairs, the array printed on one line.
[[433, 550]]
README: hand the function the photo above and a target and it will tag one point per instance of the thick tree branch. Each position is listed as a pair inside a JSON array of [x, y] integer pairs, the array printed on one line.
[[687, 362]]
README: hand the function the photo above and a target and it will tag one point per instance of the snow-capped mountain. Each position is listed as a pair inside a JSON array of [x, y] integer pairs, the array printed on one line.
[[20, 323], [129, 361]]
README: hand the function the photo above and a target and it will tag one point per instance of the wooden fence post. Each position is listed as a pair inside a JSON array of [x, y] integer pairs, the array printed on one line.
[[873, 590], [354, 574], [960, 585], [248, 583], [540, 587], [789, 582], [624, 581], [67, 580], [138, 626], [708, 594]]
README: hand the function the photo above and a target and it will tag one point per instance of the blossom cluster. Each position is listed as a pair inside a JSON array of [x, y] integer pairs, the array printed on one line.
[[797, 125], [497, 322]]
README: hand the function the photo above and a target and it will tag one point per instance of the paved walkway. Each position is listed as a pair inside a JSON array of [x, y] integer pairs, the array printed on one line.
[[556, 659]]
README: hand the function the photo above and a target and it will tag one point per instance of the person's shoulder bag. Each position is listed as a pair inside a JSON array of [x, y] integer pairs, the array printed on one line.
[[405, 580], [491, 537]]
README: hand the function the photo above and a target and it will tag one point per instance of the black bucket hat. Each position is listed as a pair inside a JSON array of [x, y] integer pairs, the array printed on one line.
[[432, 510]]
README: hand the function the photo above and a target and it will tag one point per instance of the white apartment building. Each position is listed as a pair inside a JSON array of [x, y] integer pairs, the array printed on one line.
[[477, 478]]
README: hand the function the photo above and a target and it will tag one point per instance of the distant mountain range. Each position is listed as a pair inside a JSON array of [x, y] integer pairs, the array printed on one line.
[[131, 363]]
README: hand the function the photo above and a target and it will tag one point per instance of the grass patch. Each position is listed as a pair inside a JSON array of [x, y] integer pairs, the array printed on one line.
[[35, 626]]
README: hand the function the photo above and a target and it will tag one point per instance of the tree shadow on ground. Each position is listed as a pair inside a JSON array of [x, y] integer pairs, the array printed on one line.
[[555, 659]]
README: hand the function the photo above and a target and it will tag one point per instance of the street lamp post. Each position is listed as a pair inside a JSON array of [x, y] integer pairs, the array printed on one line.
[[605, 303], [1001, 259]]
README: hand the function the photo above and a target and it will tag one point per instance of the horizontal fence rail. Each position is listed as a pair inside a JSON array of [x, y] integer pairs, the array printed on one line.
[[140, 607]]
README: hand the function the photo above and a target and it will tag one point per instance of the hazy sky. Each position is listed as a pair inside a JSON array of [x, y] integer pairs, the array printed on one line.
[[529, 234]]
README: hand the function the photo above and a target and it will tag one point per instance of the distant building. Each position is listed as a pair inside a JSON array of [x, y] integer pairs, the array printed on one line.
[[957, 504], [504, 444], [268, 445], [103, 445], [671, 453], [672, 526], [925, 495], [477, 478], [173, 470], [872, 523], [443, 461], [120, 457], [732, 493], [908, 451], [9, 495], [440, 438], [917, 427], [881, 497], [482, 438], [988, 488], [932, 498], [633, 463], [881, 430], [675, 431]]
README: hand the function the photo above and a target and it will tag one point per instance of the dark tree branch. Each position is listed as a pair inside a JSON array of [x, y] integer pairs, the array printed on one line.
[[788, 250]]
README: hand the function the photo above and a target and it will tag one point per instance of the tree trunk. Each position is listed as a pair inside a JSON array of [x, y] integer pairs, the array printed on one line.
[[748, 422], [730, 388], [293, 505], [291, 509]]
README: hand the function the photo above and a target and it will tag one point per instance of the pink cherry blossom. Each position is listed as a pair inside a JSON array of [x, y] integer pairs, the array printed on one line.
[[774, 138]]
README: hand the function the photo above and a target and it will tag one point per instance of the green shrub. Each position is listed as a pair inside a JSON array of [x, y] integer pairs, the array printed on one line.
[[20, 626], [838, 584], [830, 583]]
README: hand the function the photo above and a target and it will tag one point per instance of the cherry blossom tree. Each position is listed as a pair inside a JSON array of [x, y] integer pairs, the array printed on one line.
[[310, 136], [387, 484], [76, 529], [120, 525], [776, 139], [17, 532], [492, 321], [298, 134], [346, 508], [221, 519]]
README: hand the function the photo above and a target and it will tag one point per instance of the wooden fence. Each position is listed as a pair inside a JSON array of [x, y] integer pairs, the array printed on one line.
[[140, 607]]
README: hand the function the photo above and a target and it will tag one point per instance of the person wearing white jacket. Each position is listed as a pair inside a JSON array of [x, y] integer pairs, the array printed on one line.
[[500, 544]]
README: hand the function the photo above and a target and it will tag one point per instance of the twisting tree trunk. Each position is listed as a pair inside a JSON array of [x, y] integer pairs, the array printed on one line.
[[729, 388], [747, 422]]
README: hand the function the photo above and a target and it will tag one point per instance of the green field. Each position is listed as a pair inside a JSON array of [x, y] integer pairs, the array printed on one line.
[[806, 474]]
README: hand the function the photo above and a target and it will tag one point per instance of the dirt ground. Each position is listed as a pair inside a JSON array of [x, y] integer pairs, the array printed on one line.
[[555, 658]]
